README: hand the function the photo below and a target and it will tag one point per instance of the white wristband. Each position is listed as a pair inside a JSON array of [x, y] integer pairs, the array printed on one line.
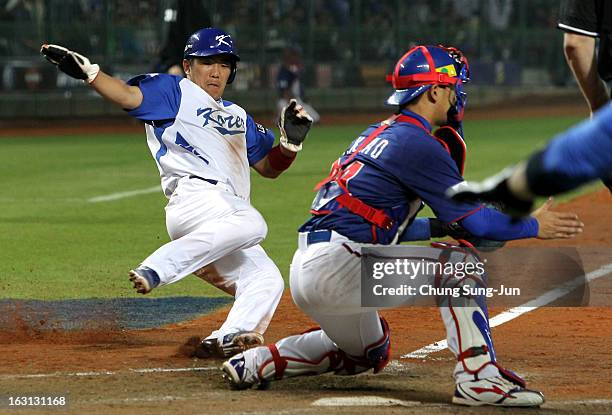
[[90, 69], [289, 146], [92, 72]]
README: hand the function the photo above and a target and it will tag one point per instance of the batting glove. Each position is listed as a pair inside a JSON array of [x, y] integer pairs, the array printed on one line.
[[71, 63], [294, 125]]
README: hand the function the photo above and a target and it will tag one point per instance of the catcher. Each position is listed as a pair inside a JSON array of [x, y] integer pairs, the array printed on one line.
[[374, 190], [203, 146]]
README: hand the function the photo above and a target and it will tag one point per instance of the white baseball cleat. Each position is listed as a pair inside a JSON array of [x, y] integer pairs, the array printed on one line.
[[239, 372], [496, 391]]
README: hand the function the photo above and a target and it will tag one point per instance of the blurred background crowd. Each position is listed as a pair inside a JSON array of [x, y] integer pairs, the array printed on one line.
[[336, 44]]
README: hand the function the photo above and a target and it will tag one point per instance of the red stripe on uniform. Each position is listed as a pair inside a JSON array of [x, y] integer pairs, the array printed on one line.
[[280, 364]]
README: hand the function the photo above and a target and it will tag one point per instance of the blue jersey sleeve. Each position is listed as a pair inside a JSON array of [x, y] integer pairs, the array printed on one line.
[[259, 140], [419, 230], [161, 97], [428, 170], [492, 224], [584, 151]]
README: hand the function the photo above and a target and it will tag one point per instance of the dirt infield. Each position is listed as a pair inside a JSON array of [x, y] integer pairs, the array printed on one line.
[[563, 351]]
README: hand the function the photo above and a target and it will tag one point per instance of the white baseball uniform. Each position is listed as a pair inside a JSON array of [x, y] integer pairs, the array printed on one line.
[[203, 149]]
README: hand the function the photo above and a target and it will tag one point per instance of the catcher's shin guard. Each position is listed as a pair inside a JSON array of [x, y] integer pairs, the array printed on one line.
[[469, 338], [466, 317], [480, 380]]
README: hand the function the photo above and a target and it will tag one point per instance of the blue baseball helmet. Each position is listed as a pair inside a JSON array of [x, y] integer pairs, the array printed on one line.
[[423, 66], [211, 41]]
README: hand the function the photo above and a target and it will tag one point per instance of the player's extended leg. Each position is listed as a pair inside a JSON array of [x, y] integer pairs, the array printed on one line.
[[325, 285], [479, 378], [257, 285], [206, 223], [314, 352]]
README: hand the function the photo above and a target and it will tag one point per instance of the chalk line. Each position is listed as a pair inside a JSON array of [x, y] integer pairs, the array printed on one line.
[[546, 298], [123, 195]]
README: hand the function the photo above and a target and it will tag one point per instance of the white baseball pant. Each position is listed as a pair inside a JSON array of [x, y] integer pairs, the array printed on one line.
[[208, 224], [326, 285]]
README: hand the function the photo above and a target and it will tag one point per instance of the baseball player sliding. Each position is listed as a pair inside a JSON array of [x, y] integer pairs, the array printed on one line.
[[203, 147], [375, 188]]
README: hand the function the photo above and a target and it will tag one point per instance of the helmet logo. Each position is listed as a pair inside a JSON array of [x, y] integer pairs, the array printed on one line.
[[221, 39], [448, 69]]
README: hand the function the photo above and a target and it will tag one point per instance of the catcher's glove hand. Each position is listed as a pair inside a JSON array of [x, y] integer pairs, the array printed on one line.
[[294, 124], [71, 63]]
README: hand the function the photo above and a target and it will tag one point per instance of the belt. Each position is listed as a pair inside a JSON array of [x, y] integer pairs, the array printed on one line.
[[316, 237], [305, 239], [211, 181]]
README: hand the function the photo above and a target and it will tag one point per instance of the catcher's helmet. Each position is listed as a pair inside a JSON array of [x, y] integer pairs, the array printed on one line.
[[211, 41], [423, 66]]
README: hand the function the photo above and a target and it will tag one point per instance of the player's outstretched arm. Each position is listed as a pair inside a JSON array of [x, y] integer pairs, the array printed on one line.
[[544, 223], [294, 125], [115, 90], [79, 67], [508, 187]]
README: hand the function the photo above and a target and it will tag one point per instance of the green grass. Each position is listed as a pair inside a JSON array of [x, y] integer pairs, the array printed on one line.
[[56, 245]]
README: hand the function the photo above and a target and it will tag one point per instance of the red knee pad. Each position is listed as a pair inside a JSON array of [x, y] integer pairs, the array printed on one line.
[[379, 353], [376, 356]]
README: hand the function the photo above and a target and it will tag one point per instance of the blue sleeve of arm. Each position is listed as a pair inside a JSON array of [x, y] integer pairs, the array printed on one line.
[[259, 141], [161, 97], [417, 231], [426, 168], [584, 152], [492, 224]]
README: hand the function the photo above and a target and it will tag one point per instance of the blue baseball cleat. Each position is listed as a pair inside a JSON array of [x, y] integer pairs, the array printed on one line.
[[239, 373], [144, 279]]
